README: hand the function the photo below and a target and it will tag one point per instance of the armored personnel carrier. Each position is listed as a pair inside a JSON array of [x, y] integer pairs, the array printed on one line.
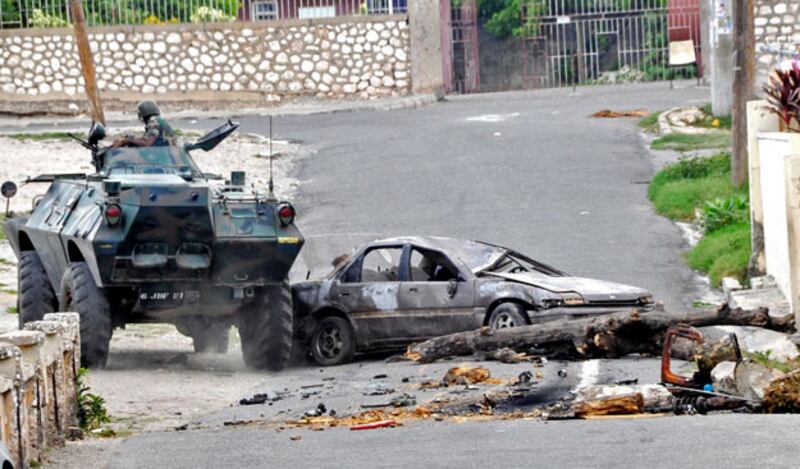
[[149, 237]]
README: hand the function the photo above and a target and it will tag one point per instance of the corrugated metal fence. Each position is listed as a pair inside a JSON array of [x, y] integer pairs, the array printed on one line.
[[55, 13]]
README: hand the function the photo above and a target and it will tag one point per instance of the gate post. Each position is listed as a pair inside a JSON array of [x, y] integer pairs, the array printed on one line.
[[426, 31]]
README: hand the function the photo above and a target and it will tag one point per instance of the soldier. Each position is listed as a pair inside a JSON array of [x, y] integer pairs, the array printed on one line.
[[157, 132]]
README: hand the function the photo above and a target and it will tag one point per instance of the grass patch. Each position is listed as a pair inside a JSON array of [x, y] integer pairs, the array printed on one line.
[[12, 310], [40, 136], [681, 188], [650, 123], [723, 253], [691, 142], [713, 122]]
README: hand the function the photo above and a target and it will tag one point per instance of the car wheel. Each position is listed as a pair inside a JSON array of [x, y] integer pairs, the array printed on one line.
[[35, 294], [507, 315], [265, 327], [80, 294], [333, 341]]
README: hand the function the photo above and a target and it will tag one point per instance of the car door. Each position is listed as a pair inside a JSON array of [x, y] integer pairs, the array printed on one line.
[[437, 297], [369, 290]]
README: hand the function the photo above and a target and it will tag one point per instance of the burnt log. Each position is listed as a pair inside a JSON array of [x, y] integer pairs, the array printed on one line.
[[608, 336]]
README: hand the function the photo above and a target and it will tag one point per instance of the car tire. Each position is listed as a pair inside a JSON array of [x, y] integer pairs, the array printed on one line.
[[265, 327], [207, 336], [333, 341], [36, 296], [80, 294], [507, 315]]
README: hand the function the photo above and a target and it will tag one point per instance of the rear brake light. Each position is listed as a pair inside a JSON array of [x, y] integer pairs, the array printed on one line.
[[286, 214], [113, 214]]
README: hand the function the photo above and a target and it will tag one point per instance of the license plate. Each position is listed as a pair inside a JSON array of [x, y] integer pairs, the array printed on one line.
[[161, 298]]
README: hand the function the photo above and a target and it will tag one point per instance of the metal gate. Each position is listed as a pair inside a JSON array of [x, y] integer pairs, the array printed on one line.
[[580, 42], [460, 46]]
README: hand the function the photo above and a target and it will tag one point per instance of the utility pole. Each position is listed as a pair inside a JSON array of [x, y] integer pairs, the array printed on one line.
[[743, 86], [87, 63]]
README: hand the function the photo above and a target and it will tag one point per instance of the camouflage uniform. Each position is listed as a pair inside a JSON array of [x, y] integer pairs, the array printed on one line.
[[156, 126]]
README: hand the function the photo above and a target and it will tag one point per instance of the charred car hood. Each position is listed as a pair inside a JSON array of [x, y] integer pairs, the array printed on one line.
[[592, 290]]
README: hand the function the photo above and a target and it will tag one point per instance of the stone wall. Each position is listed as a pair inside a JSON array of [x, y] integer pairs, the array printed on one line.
[[777, 25], [331, 58]]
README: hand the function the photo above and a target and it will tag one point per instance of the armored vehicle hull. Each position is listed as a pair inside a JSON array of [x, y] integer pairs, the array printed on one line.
[[150, 238]]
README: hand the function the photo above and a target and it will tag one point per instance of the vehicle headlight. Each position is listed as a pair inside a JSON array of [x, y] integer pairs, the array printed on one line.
[[572, 299]]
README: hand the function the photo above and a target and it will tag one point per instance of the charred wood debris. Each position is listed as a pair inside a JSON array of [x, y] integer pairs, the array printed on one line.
[[723, 378]]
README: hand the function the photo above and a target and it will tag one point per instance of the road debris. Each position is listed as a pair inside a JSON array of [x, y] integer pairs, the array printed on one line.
[[783, 394], [260, 398], [296, 437], [609, 336], [607, 113], [506, 355], [459, 375], [403, 400], [371, 426], [320, 410]]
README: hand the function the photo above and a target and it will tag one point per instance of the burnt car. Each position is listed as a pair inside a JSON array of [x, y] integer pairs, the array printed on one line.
[[393, 292]]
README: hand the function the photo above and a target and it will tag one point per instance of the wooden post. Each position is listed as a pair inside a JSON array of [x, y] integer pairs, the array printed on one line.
[[87, 63], [743, 86]]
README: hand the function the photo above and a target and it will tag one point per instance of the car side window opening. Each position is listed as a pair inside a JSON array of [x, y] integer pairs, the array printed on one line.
[[431, 266], [377, 265]]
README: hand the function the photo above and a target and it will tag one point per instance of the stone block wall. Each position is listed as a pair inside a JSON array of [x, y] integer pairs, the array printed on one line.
[[777, 25], [331, 58]]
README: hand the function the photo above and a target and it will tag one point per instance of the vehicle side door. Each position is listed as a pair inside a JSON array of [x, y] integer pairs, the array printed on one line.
[[369, 290], [437, 297]]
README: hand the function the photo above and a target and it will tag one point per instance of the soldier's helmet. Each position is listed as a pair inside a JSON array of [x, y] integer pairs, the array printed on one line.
[[146, 109]]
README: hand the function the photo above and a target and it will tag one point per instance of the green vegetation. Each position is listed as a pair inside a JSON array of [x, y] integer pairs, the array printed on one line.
[[650, 123], [92, 411], [764, 359], [40, 136], [703, 185], [691, 142], [723, 253], [109, 12], [12, 310], [710, 121]]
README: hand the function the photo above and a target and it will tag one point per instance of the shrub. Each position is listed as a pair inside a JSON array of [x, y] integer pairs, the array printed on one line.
[[41, 20], [723, 253], [721, 212], [206, 14]]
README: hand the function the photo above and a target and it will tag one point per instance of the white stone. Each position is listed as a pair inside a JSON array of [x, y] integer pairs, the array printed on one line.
[[295, 86], [236, 69], [281, 58], [272, 77], [113, 46], [249, 69], [387, 81], [322, 66], [372, 36], [779, 9], [229, 77], [159, 47], [187, 64], [144, 46], [9, 88], [400, 55], [274, 46], [206, 60], [295, 59], [220, 59], [307, 66], [152, 80]]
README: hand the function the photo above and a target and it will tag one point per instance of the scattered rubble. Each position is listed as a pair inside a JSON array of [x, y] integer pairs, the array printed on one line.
[[457, 375], [607, 113]]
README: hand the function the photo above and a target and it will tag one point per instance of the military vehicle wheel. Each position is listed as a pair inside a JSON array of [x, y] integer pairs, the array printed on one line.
[[507, 315], [36, 296], [207, 336], [333, 341], [80, 294], [265, 327]]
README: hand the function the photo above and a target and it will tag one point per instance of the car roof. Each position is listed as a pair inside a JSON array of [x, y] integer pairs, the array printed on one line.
[[474, 254]]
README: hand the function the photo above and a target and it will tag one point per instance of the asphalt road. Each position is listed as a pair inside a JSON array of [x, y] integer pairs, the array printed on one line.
[[529, 170]]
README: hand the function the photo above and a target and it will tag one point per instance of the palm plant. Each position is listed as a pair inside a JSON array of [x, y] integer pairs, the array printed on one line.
[[783, 95]]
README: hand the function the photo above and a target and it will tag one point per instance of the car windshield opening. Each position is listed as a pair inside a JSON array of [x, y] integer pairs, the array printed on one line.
[[150, 160], [513, 263]]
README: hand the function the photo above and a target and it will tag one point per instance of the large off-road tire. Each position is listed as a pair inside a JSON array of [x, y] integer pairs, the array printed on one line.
[[208, 336], [507, 315], [35, 295], [333, 341], [80, 294], [265, 327]]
